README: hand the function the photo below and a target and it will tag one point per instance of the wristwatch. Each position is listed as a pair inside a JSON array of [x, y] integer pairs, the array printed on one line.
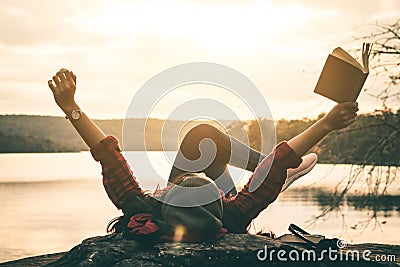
[[75, 114]]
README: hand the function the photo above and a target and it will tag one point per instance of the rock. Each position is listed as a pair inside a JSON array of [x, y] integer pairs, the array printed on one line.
[[34, 261], [231, 250]]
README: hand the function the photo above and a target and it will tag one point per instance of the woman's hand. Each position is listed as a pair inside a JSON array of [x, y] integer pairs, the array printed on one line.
[[341, 115], [63, 87]]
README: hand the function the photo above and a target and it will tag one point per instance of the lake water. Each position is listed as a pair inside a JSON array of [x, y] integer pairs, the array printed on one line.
[[51, 202]]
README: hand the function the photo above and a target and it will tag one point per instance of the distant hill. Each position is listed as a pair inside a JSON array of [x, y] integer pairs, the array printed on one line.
[[24, 133], [372, 139], [28, 133]]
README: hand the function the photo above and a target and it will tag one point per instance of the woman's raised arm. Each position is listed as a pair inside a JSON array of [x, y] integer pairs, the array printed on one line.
[[341, 116], [63, 86]]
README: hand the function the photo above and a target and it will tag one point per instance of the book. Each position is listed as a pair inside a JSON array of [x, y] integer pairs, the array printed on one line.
[[291, 238], [342, 76]]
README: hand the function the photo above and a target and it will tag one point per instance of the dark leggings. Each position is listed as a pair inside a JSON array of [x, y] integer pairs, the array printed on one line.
[[206, 149]]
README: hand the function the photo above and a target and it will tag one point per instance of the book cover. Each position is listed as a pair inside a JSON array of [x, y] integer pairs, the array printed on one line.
[[290, 238], [342, 77]]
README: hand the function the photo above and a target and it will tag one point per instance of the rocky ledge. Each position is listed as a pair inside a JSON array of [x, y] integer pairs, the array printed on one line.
[[231, 250]]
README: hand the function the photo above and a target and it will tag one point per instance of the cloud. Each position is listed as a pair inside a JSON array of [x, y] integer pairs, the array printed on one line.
[[115, 46]]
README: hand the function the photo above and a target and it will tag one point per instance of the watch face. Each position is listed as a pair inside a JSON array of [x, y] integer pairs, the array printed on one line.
[[76, 114]]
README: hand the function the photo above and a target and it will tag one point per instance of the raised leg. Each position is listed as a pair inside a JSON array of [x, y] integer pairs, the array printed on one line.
[[207, 149]]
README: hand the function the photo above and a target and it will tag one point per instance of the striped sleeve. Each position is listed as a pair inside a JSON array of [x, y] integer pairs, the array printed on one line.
[[262, 189], [118, 178]]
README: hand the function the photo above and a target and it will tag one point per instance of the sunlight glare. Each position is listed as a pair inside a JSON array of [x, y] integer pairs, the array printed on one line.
[[219, 27], [179, 233]]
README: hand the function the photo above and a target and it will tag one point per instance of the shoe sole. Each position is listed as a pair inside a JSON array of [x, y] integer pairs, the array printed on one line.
[[296, 176]]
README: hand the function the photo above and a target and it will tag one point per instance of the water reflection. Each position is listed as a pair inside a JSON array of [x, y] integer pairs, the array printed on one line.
[[325, 199], [46, 210]]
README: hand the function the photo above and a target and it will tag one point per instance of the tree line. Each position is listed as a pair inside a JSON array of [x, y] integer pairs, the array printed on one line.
[[370, 140], [374, 139]]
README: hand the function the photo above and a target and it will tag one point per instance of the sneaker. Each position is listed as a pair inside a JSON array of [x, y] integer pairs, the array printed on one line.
[[305, 167]]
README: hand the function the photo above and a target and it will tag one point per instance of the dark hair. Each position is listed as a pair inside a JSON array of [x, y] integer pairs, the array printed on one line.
[[134, 203], [180, 178]]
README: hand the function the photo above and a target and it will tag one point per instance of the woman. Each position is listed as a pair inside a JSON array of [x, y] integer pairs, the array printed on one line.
[[193, 206]]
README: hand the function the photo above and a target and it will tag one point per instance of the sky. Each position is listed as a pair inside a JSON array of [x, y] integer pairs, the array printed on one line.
[[114, 47]]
